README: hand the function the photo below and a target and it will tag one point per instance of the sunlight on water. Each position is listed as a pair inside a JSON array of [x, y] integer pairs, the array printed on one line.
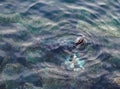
[[37, 37]]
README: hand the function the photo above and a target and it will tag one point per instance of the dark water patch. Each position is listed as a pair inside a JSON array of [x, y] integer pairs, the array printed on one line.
[[22, 36], [6, 47], [104, 56], [96, 47], [90, 21], [51, 15], [56, 59], [43, 10], [98, 14], [69, 1], [38, 83], [108, 67], [2, 0], [42, 34], [37, 6], [105, 7], [91, 1], [34, 79], [1, 59], [104, 83], [57, 53], [115, 62], [10, 6], [22, 60], [3, 86]]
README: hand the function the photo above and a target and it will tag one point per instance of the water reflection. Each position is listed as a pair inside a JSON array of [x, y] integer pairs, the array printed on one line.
[[36, 37]]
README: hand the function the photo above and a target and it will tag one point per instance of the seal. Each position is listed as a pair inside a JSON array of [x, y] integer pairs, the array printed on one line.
[[79, 41]]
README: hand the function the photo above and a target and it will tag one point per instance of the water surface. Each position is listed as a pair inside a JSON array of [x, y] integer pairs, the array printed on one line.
[[34, 35]]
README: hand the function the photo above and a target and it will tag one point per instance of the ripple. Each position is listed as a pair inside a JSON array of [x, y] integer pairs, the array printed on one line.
[[37, 36]]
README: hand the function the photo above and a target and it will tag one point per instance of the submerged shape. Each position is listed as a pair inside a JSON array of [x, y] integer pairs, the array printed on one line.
[[74, 64]]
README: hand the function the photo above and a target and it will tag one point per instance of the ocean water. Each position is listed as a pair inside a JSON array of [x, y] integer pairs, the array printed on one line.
[[36, 37]]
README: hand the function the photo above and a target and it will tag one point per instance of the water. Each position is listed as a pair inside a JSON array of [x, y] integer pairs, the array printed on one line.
[[35, 35]]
